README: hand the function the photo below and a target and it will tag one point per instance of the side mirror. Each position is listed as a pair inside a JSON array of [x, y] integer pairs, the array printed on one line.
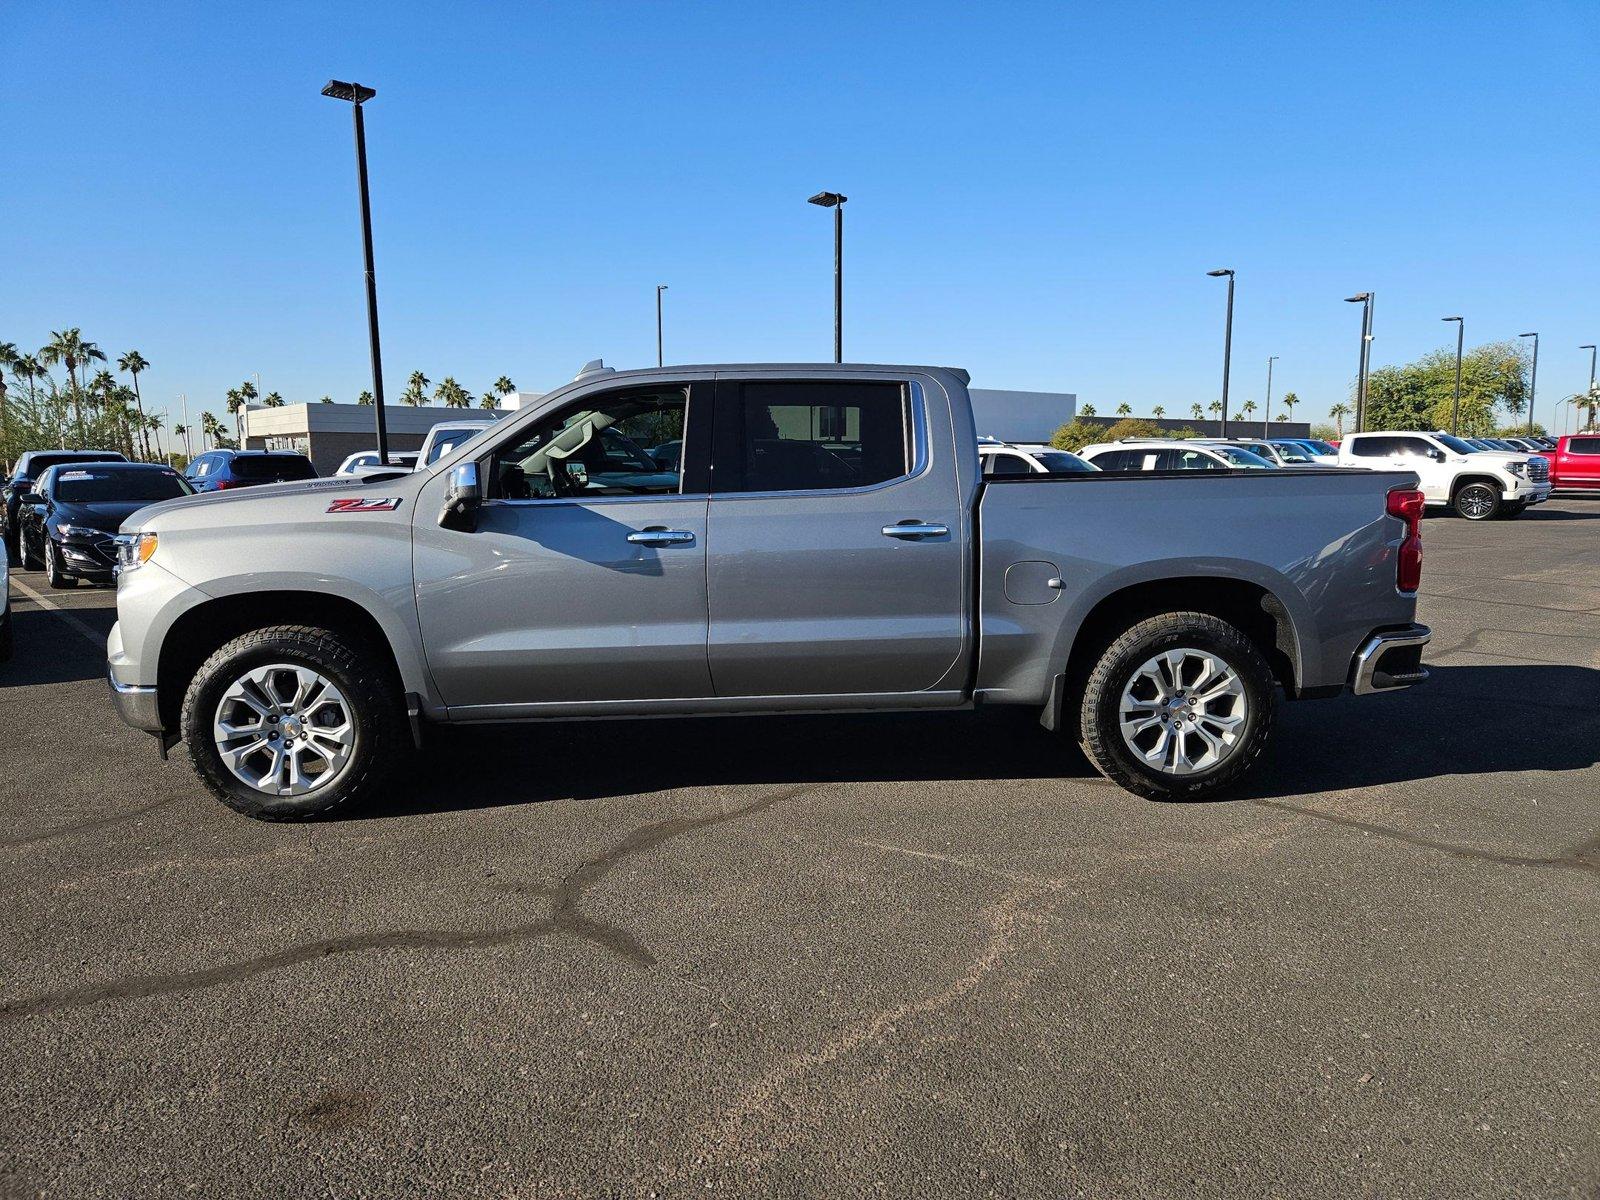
[[1436, 455], [462, 498], [30, 498]]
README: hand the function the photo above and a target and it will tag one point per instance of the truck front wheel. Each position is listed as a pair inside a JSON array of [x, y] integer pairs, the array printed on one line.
[[293, 721], [1180, 706], [1477, 501]]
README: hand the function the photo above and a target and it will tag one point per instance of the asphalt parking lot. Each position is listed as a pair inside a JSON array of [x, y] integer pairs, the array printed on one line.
[[842, 956]]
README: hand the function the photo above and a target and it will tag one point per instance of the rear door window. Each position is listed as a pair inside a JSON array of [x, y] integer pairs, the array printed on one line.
[[1583, 445], [809, 436]]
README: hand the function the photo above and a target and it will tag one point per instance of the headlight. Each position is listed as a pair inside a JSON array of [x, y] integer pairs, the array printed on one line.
[[134, 549], [1519, 469], [67, 529]]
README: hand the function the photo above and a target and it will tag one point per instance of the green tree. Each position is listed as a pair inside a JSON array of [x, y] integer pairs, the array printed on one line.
[[1124, 409], [364, 398], [273, 400], [1130, 427], [133, 362], [416, 393], [9, 358], [1086, 411], [67, 347], [326, 400], [1076, 434], [489, 401], [451, 394], [1245, 409], [1197, 411], [1289, 401], [1339, 412], [1421, 394], [503, 386], [1158, 412]]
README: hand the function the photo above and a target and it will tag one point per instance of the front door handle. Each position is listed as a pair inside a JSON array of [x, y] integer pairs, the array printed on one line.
[[661, 537], [915, 530]]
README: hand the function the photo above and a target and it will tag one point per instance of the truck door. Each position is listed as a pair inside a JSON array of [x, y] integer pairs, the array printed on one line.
[[585, 579], [838, 541]]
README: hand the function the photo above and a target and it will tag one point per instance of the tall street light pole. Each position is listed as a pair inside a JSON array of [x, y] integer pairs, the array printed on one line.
[[357, 95], [1364, 359], [1266, 417], [660, 287], [1591, 351], [1533, 385], [835, 201], [1227, 344], [1455, 405]]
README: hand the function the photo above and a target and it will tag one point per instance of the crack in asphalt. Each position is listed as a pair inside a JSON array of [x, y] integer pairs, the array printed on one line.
[[566, 916], [1583, 857], [81, 827]]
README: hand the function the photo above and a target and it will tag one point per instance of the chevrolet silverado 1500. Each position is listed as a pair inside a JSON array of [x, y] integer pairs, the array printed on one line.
[[822, 541]]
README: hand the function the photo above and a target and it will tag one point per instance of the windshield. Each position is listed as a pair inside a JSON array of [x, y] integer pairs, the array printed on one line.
[[1287, 451], [1059, 462], [275, 467], [1241, 458], [1319, 447], [1454, 443], [449, 441], [92, 487]]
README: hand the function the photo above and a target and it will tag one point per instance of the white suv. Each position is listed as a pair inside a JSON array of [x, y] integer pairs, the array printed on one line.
[[1478, 484], [1166, 454]]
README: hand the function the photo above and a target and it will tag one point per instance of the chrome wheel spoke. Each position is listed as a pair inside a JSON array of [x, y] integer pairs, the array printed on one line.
[[284, 729], [1182, 711]]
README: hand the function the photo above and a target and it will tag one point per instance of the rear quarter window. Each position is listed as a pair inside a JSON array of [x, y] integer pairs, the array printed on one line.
[[1584, 445]]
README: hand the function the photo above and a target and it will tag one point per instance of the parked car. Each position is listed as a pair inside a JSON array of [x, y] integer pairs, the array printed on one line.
[[1478, 484], [668, 456], [1525, 445], [1151, 619], [69, 522], [1279, 454], [1575, 462], [446, 436], [6, 637], [218, 470], [30, 466], [365, 462], [1323, 454], [1164, 454], [999, 458]]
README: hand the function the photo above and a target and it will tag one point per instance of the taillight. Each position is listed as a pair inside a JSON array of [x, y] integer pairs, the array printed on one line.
[[225, 483], [1407, 504]]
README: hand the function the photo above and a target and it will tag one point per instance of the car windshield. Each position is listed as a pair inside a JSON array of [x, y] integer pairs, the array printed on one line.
[[1236, 457], [1286, 451], [273, 467], [84, 486], [1060, 462], [1454, 443]]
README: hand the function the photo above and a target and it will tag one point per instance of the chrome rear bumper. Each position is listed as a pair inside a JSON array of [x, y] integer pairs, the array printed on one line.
[[1390, 660]]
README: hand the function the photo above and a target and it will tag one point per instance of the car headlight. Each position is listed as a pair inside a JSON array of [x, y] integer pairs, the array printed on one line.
[[1518, 469], [134, 549], [67, 529]]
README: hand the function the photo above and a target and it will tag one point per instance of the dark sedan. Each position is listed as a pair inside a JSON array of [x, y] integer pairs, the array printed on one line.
[[68, 521], [30, 466]]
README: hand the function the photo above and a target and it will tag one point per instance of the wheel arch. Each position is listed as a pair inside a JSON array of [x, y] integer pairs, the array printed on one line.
[[1462, 481]]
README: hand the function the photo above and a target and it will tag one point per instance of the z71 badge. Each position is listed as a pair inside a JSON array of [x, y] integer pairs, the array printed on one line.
[[356, 504]]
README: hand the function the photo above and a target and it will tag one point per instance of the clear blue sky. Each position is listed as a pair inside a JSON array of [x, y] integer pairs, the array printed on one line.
[[1035, 191]]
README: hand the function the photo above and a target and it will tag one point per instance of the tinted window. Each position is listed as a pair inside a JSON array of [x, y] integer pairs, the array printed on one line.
[[1392, 447], [1583, 445], [200, 467], [262, 468], [593, 448], [88, 486], [42, 462], [1005, 464], [1188, 460], [1454, 443], [1111, 460], [806, 436], [1059, 462]]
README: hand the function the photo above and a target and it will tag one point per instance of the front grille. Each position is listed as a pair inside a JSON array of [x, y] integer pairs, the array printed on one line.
[[1538, 469]]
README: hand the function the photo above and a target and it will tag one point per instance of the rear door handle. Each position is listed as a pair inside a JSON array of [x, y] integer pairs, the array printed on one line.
[[662, 537], [915, 530]]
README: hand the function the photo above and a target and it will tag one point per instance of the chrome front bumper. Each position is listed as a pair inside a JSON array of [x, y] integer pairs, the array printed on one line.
[[1390, 660], [135, 705]]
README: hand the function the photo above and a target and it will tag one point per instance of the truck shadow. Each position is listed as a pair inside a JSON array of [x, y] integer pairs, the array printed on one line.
[[49, 652], [1454, 725]]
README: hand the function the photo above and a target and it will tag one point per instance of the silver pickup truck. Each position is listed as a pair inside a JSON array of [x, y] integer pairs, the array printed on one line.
[[753, 539]]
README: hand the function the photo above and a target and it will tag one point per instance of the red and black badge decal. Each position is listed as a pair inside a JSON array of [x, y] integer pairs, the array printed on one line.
[[359, 504]]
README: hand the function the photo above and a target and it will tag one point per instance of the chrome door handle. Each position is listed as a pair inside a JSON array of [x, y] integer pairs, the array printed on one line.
[[915, 530], [661, 537]]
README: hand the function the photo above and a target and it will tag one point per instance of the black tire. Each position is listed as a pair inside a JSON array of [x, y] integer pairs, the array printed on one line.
[[12, 551], [1476, 501], [30, 561], [1100, 722], [7, 645], [382, 738], [53, 574]]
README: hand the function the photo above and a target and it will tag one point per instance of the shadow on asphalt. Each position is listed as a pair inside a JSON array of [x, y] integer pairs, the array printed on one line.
[[1544, 513], [48, 652], [1455, 724]]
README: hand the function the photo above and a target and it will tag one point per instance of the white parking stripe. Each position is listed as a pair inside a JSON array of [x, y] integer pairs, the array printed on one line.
[[97, 640]]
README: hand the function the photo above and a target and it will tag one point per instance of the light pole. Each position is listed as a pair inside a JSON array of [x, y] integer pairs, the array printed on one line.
[[835, 201], [660, 287], [1533, 385], [1364, 359], [1590, 401], [1227, 344], [357, 95], [1455, 405], [1266, 417]]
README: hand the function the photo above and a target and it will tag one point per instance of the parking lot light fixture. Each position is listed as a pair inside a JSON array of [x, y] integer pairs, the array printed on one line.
[[835, 201], [1364, 357], [1533, 382], [1227, 343], [357, 95], [1455, 405], [1266, 416]]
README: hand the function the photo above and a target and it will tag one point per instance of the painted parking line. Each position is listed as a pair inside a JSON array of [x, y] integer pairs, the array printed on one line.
[[94, 638]]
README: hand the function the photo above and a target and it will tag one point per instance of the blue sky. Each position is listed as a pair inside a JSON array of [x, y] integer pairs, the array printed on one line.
[[1036, 191]]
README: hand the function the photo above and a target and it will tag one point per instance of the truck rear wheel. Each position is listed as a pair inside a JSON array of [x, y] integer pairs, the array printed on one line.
[[292, 722], [1180, 706]]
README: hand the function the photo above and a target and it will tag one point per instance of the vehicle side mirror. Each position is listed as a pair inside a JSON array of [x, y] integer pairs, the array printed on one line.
[[462, 498], [30, 498], [1436, 455]]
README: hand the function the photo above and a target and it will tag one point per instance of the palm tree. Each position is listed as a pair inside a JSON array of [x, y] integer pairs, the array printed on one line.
[[364, 398], [489, 402], [503, 386], [152, 424], [68, 348], [1339, 412], [1086, 411], [1199, 413], [273, 400], [9, 358], [452, 394], [1158, 412], [1248, 407], [182, 431], [1289, 401], [210, 427], [326, 400], [1215, 408], [416, 393], [133, 362]]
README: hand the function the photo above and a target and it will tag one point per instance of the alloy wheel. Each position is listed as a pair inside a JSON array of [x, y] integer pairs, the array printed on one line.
[[1183, 711], [284, 729]]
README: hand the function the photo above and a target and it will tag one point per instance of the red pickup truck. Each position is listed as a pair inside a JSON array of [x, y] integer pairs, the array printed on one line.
[[1575, 462]]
